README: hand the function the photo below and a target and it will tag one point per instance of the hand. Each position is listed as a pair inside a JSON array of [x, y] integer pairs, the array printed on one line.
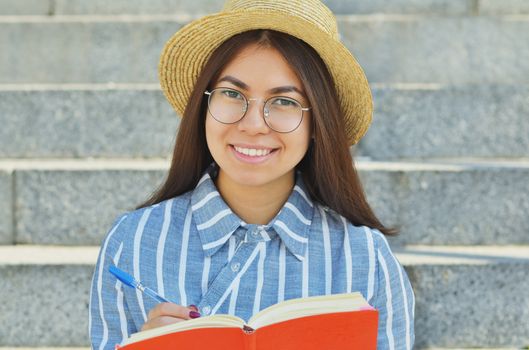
[[168, 313]]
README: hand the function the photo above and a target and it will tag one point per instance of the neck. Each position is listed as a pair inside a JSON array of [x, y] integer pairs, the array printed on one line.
[[255, 204]]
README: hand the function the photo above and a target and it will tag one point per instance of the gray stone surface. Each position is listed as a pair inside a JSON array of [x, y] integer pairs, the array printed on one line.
[[44, 305], [439, 7], [136, 7], [458, 50], [448, 121], [6, 207], [80, 7], [86, 123], [34, 125], [457, 305], [462, 121], [491, 7], [471, 306], [474, 205], [76, 206], [418, 49], [339, 7], [455, 205], [82, 52], [25, 7]]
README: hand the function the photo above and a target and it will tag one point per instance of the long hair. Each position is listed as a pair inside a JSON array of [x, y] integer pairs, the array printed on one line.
[[327, 168]]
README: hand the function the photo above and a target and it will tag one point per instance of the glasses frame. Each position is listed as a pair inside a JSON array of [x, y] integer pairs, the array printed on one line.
[[265, 112]]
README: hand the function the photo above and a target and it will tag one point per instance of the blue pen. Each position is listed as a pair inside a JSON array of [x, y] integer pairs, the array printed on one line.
[[131, 282]]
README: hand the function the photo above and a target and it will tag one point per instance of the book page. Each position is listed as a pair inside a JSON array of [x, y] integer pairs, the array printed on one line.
[[213, 321], [300, 307]]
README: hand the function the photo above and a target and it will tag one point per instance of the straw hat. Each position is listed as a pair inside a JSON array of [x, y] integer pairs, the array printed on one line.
[[188, 50]]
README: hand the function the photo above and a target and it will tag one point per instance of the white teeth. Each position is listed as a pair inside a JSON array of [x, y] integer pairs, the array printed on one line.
[[252, 152]]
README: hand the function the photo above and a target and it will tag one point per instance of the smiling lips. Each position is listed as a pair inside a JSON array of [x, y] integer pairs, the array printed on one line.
[[253, 152]]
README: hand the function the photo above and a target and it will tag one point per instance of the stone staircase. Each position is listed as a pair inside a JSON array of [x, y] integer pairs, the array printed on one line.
[[85, 134]]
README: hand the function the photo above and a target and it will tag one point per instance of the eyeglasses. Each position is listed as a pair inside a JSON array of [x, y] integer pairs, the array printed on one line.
[[228, 106]]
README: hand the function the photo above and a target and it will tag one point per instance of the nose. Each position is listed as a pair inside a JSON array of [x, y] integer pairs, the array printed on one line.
[[253, 122]]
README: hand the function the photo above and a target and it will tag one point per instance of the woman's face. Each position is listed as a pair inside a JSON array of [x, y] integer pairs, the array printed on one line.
[[248, 152]]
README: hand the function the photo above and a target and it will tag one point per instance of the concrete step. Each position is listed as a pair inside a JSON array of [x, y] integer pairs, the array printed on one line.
[[462, 293], [75, 7], [469, 296], [73, 202], [422, 121], [391, 48], [127, 120], [85, 121], [489, 7], [82, 196]]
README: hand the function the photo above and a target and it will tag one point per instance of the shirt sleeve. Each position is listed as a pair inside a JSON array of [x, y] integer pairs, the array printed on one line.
[[394, 300], [109, 318]]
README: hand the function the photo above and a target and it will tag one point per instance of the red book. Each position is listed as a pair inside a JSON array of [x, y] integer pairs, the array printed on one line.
[[338, 321]]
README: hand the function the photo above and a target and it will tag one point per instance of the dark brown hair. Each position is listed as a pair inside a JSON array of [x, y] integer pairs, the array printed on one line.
[[327, 168]]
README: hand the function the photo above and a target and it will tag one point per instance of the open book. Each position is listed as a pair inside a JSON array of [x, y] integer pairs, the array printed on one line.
[[338, 321]]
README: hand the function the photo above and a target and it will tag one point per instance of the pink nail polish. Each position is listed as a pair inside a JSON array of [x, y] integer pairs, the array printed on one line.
[[194, 307], [194, 314]]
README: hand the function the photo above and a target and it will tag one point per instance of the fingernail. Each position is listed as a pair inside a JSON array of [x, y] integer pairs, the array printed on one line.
[[194, 314], [192, 306]]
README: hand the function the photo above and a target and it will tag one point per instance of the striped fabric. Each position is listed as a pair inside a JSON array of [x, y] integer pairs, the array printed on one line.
[[193, 249]]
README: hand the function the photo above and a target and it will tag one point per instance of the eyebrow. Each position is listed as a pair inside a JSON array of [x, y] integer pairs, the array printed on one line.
[[276, 90]]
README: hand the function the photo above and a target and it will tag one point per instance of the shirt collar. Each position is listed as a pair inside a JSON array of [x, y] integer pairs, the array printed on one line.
[[293, 221], [216, 222]]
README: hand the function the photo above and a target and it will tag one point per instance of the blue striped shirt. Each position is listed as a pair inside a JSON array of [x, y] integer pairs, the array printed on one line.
[[193, 249]]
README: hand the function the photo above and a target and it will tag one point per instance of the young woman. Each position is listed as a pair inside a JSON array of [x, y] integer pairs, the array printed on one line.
[[262, 202]]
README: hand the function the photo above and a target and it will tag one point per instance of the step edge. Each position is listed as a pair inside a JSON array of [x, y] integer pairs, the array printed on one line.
[[361, 163], [407, 255]]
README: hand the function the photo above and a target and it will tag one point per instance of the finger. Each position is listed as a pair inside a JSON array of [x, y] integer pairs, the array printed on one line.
[[169, 309], [160, 321]]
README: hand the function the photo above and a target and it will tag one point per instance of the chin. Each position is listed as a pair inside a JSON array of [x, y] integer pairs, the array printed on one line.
[[257, 177], [251, 179]]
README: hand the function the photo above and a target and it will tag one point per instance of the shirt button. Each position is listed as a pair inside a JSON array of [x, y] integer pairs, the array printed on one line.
[[235, 267], [255, 232], [206, 310]]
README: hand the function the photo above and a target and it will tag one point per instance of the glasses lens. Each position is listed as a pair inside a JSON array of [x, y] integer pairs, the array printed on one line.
[[226, 105], [284, 114]]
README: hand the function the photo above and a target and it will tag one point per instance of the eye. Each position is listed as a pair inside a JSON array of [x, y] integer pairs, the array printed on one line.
[[284, 102], [231, 94]]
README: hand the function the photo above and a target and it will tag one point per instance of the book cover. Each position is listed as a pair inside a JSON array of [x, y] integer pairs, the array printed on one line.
[[340, 321]]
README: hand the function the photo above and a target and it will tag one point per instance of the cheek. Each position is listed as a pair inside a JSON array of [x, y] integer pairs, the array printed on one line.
[[215, 135], [212, 128], [211, 136], [298, 144], [305, 132], [209, 128], [305, 139]]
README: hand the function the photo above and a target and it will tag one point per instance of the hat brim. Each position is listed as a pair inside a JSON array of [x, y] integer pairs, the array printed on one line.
[[188, 50]]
